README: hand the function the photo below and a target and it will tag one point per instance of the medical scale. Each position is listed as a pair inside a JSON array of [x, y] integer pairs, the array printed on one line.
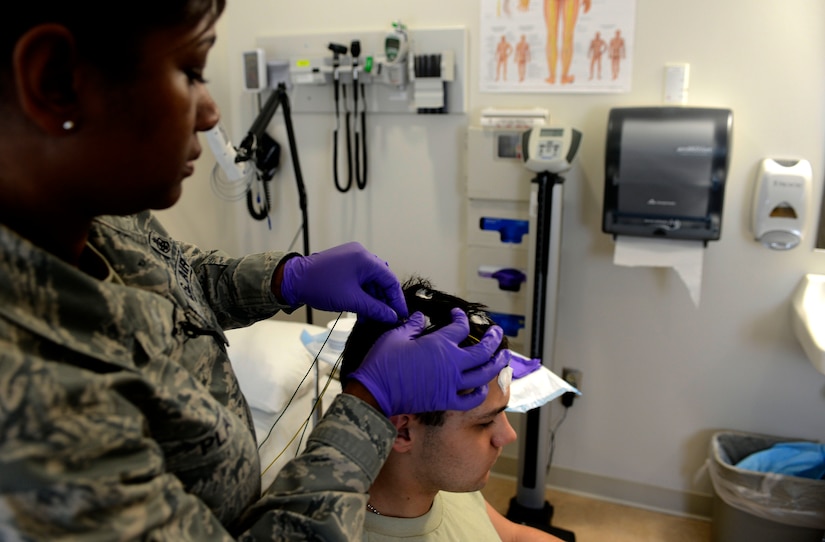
[[548, 152]]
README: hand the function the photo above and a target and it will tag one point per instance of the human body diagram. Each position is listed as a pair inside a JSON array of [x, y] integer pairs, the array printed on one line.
[[522, 57], [616, 51], [502, 57], [560, 18], [557, 45], [597, 48]]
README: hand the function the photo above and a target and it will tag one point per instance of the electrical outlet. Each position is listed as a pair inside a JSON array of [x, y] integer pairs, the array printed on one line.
[[574, 378]]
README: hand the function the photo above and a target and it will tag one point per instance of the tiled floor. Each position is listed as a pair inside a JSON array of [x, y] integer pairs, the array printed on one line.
[[599, 521]]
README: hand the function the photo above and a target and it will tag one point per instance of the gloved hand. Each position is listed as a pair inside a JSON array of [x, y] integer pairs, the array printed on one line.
[[523, 365], [344, 278], [408, 374]]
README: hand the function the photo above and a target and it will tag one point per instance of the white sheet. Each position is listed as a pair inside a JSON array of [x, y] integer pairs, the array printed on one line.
[[280, 447], [271, 363]]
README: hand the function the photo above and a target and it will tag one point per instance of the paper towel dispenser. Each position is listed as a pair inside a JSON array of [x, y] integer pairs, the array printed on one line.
[[665, 171]]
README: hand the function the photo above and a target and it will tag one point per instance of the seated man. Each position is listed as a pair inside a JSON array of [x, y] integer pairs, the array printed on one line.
[[429, 487]]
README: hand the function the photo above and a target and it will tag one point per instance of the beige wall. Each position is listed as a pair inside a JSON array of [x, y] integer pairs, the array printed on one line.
[[660, 376]]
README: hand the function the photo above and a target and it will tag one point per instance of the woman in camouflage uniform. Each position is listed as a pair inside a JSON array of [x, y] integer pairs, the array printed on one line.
[[120, 416]]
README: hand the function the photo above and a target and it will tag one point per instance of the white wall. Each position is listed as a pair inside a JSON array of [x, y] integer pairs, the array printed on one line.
[[660, 376]]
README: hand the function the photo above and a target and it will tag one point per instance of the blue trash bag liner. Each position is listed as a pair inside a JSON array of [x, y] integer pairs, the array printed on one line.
[[803, 459], [790, 500]]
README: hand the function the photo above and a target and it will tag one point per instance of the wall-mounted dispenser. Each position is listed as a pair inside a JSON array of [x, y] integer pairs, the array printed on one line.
[[665, 171], [510, 230], [509, 323], [780, 202], [509, 279]]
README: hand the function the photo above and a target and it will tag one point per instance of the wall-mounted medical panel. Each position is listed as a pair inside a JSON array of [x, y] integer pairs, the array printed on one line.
[[495, 169], [497, 224], [432, 78]]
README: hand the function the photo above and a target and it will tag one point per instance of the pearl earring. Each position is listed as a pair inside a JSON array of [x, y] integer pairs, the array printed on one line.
[[68, 125]]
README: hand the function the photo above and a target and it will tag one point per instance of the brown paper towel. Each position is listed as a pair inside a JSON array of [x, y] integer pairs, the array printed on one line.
[[685, 257]]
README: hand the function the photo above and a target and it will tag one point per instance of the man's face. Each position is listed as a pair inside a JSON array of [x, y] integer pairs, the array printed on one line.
[[458, 455]]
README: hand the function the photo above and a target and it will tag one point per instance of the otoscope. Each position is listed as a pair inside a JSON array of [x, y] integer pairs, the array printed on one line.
[[360, 135], [337, 50]]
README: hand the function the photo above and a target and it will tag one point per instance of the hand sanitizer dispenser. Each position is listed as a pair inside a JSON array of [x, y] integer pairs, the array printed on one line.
[[780, 204]]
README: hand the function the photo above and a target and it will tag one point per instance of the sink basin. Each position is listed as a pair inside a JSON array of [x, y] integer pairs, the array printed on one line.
[[808, 315]]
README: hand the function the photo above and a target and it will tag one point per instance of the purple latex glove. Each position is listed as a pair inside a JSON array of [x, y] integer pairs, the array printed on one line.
[[408, 374], [523, 366], [344, 278]]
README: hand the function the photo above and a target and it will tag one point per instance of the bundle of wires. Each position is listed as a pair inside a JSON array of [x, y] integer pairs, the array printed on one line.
[[301, 432]]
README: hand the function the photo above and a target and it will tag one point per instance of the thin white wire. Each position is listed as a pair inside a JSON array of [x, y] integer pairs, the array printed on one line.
[[303, 426], [230, 190], [302, 429]]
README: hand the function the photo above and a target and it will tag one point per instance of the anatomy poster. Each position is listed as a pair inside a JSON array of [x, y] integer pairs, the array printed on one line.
[[556, 45]]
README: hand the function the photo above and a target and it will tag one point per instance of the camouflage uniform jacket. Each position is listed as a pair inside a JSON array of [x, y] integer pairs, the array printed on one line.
[[121, 418]]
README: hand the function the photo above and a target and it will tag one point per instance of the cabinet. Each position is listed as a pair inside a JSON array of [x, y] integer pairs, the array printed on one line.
[[497, 240]]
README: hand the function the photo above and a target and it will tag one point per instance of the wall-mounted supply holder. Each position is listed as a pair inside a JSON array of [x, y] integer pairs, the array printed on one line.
[[665, 171], [780, 202], [431, 78], [509, 323], [430, 75], [509, 279], [497, 277], [510, 230]]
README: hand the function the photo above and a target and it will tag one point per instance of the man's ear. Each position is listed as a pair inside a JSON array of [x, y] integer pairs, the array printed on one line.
[[403, 440], [44, 67]]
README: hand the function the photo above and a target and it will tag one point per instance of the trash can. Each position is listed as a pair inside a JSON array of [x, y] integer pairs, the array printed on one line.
[[753, 506]]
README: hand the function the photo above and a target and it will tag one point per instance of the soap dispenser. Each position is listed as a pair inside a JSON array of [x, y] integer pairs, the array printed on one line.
[[780, 204]]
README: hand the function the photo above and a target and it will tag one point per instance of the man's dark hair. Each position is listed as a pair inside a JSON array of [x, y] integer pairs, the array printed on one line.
[[435, 306]]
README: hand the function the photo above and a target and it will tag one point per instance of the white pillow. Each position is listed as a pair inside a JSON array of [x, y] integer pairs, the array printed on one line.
[[271, 362]]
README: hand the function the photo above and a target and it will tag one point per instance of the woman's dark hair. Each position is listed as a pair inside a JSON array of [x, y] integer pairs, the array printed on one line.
[[108, 34], [436, 306]]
